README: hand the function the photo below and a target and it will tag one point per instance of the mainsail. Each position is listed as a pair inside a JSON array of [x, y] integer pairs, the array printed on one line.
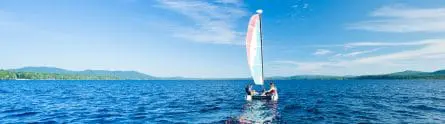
[[254, 48]]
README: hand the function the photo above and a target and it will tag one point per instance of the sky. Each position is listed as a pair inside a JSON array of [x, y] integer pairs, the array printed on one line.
[[205, 39]]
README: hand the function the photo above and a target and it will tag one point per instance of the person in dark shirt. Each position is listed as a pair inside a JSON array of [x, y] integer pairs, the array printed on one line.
[[249, 90]]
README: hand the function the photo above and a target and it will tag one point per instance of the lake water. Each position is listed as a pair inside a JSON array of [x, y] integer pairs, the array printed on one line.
[[349, 101]]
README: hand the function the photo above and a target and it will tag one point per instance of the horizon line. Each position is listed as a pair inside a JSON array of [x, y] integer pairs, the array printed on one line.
[[212, 78]]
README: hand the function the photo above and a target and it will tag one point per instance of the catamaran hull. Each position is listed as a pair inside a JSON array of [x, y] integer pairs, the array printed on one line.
[[249, 97], [257, 97]]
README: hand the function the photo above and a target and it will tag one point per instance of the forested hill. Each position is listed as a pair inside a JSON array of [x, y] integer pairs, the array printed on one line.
[[11, 75], [57, 73], [409, 74], [48, 73], [440, 74]]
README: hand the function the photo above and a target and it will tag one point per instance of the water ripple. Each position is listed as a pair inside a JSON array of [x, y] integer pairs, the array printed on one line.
[[221, 102]]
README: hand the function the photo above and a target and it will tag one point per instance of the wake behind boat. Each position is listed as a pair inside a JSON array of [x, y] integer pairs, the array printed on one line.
[[254, 47]]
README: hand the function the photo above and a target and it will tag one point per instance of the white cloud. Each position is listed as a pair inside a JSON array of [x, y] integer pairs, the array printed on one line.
[[375, 44], [236, 2], [428, 57], [322, 52], [355, 53], [402, 19], [214, 23], [433, 48]]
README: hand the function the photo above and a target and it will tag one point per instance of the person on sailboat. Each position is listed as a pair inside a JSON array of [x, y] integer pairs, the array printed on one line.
[[249, 90], [272, 90]]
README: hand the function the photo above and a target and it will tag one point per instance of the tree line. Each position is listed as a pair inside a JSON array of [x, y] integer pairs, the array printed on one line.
[[11, 75]]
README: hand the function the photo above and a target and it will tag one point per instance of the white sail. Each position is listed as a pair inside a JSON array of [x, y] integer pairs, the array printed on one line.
[[254, 49]]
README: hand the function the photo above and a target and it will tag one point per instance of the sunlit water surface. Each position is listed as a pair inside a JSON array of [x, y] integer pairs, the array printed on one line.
[[349, 101]]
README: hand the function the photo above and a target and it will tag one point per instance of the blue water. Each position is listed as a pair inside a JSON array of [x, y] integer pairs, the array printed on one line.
[[367, 101]]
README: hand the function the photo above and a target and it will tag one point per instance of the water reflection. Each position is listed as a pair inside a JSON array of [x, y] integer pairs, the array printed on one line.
[[258, 111]]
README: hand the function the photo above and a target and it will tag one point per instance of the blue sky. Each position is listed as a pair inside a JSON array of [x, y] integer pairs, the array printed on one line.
[[203, 38]]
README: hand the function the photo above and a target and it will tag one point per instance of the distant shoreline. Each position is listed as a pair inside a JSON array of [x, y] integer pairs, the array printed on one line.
[[50, 73], [22, 79], [200, 79]]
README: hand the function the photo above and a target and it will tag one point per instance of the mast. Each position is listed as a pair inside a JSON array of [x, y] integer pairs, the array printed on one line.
[[261, 40]]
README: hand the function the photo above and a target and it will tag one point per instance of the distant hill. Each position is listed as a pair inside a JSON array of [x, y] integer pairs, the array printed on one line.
[[308, 77], [439, 72], [123, 75], [40, 70], [409, 72], [407, 75], [57, 73], [134, 75]]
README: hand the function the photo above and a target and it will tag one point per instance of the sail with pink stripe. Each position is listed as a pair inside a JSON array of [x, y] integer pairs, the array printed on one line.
[[254, 50]]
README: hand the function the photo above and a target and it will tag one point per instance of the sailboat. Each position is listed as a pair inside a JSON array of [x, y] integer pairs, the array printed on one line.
[[254, 47]]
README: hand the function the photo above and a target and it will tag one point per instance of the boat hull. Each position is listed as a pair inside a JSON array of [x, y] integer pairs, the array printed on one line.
[[260, 97]]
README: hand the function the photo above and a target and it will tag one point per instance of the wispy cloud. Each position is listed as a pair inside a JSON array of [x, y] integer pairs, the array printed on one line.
[[214, 21], [322, 52], [401, 19], [299, 10], [433, 48], [429, 51], [355, 53], [235, 2], [376, 44]]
